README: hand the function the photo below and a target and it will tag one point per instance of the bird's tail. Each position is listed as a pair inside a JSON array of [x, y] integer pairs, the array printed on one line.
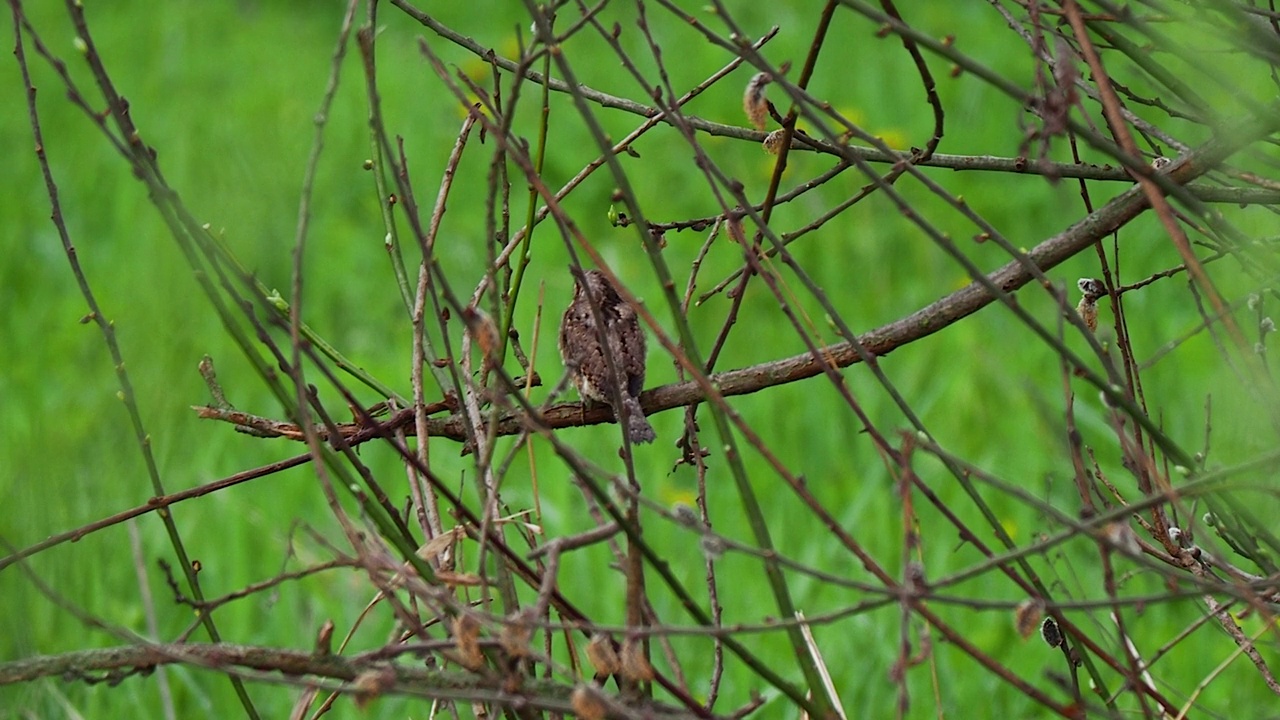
[[638, 427]]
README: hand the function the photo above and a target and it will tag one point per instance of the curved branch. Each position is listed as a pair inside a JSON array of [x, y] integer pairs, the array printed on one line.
[[880, 341]]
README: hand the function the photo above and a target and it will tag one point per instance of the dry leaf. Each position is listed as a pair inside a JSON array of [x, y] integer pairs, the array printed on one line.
[[466, 636]]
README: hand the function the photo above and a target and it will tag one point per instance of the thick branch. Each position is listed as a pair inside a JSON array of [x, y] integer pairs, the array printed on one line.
[[880, 341], [110, 664]]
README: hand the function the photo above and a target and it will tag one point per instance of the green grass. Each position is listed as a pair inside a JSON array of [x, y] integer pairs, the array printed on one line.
[[226, 92]]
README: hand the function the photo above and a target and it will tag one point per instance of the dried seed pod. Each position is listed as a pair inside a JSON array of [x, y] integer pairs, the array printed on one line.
[[712, 546], [588, 703], [1093, 288], [484, 333], [754, 101], [1027, 616], [1122, 537], [603, 657], [635, 666], [1051, 633], [686, 515], [773, 142], [516, 634], [1088, 312], [1087, 308]]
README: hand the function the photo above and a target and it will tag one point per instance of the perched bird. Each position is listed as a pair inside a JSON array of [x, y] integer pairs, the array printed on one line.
[[582, 350]]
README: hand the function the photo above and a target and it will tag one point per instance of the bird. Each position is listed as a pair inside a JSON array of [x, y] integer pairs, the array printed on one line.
[[582, 343]]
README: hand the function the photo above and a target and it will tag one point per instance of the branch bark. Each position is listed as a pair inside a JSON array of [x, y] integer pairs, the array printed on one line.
[[880, 341], [307, 668]]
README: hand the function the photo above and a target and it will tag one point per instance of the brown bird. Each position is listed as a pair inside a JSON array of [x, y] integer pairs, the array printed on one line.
[[582, 345]]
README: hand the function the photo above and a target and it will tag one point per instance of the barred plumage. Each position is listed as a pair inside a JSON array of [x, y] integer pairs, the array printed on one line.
[[582, 350]]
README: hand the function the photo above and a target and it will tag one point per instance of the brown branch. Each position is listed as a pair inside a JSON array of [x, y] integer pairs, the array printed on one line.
[[352, 674], [153, 504], [880, 341]]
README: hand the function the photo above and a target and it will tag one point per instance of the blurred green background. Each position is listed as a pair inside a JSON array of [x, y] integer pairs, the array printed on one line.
[[227, 91]]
